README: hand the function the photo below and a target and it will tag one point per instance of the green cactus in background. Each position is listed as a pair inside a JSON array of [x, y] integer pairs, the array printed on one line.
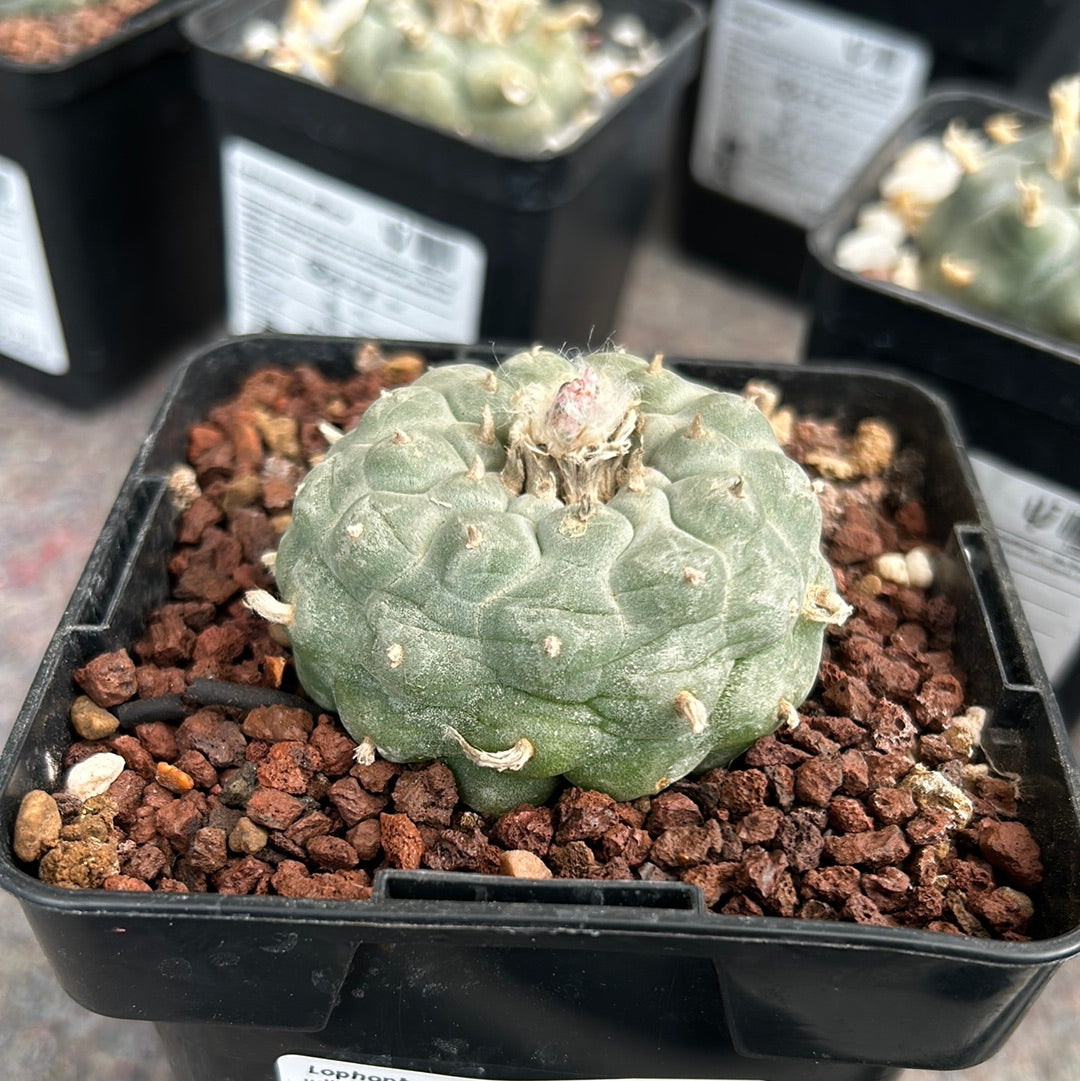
[[9, 9], [588, 569], [521, 76], [1007, 239]]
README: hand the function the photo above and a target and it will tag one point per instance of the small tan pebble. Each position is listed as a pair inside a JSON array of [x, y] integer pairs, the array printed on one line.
[[80, 865], [872, 447], [964, 732], [183, 487], [90, 720], [401, 368], [248, 838], [869, 585], [37, 825], [933, 791], [920, 568], [92, 776], [280, 433], [173, 778], [892, 567], [519, 863]]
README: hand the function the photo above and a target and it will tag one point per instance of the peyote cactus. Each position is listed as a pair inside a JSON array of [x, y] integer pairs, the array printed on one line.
[[595, 570], [522, 76], [992, 222], [11, 8]]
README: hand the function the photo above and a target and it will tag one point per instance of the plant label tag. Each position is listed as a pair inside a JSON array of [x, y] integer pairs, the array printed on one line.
[[794, 100], [306, 253], [30, 330], [303, 1068], [1038, 524]]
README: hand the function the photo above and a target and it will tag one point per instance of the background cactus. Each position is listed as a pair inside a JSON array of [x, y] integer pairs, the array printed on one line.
[[520, 75], [990, 220], [11, 8], [595, 570]]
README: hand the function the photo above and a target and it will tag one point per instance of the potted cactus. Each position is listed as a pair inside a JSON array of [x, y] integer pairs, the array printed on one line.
[[520, 76], [952, 256], [522, 572], [443, 161]]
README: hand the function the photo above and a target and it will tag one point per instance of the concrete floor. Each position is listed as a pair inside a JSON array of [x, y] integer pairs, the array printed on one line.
[[59, 473]]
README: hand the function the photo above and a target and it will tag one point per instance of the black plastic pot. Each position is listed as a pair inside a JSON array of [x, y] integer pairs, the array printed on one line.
[[1015, 392], [408, 231], [1016, 45], [477, 976], [109, 211]]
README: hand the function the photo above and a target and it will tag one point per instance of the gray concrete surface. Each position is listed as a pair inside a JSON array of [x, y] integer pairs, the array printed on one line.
[[59, 473]]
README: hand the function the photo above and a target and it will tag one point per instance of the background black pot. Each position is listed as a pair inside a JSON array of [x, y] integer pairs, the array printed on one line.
[[1014, 392], [110, 211], [472, 976], [404, 230]]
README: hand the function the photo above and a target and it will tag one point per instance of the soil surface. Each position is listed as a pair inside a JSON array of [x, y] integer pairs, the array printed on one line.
[[44, 39], [199, 765]]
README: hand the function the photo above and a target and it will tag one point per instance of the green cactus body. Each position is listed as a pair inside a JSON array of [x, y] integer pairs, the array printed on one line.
[[9, 9], [1007, 240], [515, 74], [593, 570]]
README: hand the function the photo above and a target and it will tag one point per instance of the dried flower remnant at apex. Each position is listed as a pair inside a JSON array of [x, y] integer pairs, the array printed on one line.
[[630, 588], [520, 76], [991, 219]]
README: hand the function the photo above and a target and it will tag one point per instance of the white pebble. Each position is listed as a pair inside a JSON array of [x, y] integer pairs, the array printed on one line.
[[93, 775], [258, 38], [861, 252], [892, 566], [920, 568], [881, 220], [925, 172]]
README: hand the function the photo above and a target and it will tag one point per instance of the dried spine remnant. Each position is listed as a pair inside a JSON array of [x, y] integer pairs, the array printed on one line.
[[1064, 125], [965, 146], [512, 759], [956, 271], [269, 607], [552, 646], [823, 605], [364, 754], [692, 710], [1032, 203], [1003, 128], [395, 655]]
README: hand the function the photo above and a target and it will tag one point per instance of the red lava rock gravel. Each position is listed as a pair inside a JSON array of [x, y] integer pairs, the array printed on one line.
[[45, 39], [873, 809]]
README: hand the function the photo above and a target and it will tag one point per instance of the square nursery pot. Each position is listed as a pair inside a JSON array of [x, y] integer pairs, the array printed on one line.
[[473, 976], [1014, 392], [347, 218], [867, 61], [109, 211]]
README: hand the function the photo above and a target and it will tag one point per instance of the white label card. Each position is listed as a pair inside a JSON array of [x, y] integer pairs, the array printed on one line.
[[308, 254], [794, 100], [30, 330], [303, 1068], [1038, 524]]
